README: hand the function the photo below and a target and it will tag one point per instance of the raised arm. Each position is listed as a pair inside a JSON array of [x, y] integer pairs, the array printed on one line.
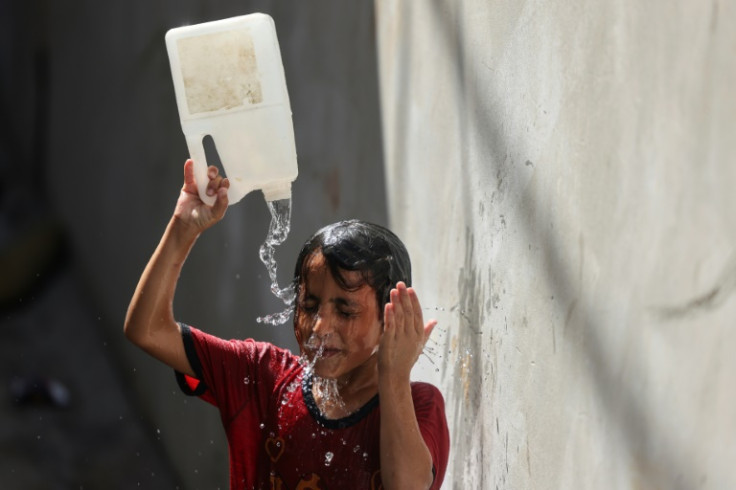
[[150, 322], [406, 462]]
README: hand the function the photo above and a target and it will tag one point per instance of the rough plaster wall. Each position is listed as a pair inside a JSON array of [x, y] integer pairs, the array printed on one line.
[[114, 171], [563, 175]]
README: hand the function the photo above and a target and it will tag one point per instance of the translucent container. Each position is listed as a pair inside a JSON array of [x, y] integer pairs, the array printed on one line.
[[230, 84]]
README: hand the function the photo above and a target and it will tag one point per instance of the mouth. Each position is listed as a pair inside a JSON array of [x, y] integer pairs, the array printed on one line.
[[328, 352], [318, 349]]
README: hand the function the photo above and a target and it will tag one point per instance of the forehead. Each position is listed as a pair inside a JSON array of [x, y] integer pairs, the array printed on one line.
[[317, 269]]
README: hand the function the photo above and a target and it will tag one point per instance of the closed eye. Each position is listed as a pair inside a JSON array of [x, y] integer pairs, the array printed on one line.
[[348, 314], [309, 306]]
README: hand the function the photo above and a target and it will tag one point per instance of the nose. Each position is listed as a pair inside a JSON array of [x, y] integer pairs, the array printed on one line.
[[323, 324]]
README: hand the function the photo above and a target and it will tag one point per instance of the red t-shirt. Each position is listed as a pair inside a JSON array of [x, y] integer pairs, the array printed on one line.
[[276, 435]]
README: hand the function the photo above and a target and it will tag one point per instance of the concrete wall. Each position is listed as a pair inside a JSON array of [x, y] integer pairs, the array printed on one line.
[[563, 173], [111, 170]]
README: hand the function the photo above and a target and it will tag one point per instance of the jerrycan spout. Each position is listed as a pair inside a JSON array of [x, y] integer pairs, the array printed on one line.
[[277, 191]]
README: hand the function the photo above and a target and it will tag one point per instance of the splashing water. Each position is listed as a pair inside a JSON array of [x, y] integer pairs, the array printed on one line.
[[278, 230], [327, 392], [314, 344], [328, 396], [276, 318]]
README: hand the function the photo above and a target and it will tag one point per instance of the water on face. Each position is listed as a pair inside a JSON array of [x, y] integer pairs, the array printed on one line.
[[278, 230], [326, 391], [316, 346]]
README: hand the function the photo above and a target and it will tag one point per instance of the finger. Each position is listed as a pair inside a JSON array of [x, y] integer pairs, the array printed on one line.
[[398, 309], [221, 203], [416, 309], [407, 307], [389, 320], [214, 184], [190, 185], [428, 328]]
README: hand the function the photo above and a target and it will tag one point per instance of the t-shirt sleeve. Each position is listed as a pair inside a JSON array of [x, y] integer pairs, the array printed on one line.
[[228, 373], [193, 385], [429, 406]]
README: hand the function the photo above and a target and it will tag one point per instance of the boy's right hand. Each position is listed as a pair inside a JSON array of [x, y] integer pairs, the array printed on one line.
[[190, 210]]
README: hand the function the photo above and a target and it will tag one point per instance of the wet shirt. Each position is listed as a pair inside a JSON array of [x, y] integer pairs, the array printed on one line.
[[276, 435]]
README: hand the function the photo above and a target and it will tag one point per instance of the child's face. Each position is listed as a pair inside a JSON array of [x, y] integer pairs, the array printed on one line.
[[341, 328]]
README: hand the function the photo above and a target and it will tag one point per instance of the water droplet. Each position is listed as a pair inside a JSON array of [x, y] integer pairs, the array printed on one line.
[[262, 426], [246, 380], [328, 458]]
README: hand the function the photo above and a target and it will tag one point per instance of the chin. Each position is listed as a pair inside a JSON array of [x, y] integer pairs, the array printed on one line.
[[325, 372]]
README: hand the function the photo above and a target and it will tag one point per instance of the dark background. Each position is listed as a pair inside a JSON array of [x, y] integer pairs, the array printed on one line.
[[91, 155]]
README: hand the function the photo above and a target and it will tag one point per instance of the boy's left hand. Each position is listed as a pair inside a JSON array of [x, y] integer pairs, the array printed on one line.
[[404, 333]]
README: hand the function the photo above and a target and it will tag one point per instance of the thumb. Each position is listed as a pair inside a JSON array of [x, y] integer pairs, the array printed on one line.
[[428, 327], [190, 184]]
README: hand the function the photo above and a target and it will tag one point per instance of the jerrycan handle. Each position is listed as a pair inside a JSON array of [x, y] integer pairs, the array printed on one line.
[[197, 154]]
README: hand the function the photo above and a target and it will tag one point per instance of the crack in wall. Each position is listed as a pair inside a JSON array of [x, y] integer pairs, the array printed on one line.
[[712, 299]]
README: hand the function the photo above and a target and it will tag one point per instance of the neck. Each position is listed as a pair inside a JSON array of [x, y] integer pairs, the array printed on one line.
[[338, 398]]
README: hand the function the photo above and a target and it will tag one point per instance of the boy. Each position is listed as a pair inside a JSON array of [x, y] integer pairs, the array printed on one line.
[[315, 421]]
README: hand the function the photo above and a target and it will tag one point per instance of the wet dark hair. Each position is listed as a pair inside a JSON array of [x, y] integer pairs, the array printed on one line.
[[355, 245]]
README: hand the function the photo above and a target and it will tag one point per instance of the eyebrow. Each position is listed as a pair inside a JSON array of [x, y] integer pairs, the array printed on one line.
[[338, 301], [346, 302]]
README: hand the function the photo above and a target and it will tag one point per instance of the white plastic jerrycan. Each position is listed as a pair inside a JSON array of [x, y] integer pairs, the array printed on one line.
[[230, 84]]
